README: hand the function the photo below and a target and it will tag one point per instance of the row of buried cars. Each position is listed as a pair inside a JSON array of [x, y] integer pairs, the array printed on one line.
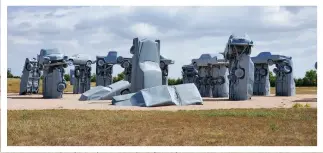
[[236, 75], [51, 64], [212, 76]]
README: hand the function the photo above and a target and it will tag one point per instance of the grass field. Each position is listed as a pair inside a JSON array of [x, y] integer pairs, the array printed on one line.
[[268, 127], [14, 84]]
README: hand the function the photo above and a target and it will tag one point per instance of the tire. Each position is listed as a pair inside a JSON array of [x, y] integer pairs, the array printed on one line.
[[61, 86], [162, 65], [288, 70], [239, 73], [101, 62], [28, 67], [125, 64], [263, 72]]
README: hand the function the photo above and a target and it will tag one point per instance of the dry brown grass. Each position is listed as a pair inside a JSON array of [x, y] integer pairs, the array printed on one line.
[[264, 127], [13, 87]]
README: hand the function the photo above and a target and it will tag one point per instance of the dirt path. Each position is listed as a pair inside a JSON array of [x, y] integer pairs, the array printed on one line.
[[70, 101]]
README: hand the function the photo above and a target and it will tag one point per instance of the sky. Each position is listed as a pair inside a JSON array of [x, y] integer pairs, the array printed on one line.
[[185, 32]]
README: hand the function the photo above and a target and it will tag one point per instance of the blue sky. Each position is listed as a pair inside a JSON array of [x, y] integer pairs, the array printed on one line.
[[185, 32]]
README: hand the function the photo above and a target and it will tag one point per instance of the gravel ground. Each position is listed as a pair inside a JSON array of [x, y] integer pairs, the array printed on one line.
[[70, 101]]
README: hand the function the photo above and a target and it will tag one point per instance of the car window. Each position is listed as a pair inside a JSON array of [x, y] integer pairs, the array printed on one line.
[[52, 51]]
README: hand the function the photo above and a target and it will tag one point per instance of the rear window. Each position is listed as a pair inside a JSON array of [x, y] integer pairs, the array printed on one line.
[[148, 51]]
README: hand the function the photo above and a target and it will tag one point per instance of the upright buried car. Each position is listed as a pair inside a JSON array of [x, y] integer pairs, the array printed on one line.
[[146, 71], [104, 68], [53, 63], [82, 72], [241, 67], [29, 81]]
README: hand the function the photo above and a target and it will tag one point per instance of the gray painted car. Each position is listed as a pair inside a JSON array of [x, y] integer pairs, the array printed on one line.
[[51, 57]]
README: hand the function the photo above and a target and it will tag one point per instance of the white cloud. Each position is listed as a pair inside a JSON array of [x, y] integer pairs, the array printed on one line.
[[144, 30], [185, 32]]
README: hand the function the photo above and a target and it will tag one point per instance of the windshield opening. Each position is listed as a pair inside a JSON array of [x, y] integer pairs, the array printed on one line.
[[52, 51]]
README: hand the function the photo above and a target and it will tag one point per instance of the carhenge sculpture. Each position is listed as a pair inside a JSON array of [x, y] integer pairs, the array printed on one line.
[[146, 87], [241, 68], [285, 85], [29, 81], [125, 63], [53, 63], [164, 63], [189, 74], [104, 68], [81, 74], [212, 78], [261, 86]]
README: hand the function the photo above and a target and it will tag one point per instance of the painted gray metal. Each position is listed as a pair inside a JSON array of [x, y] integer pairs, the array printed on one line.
[[72, 76], [241, 67], [29, 80], [315, 65], [189, 74], [261, 85], [146, 80], [53, 63], [285, 84], [212, 78], [106, 93], [104, 68], [82, 72], [145, 71], [126, 64], [164, 63], [162, 95]]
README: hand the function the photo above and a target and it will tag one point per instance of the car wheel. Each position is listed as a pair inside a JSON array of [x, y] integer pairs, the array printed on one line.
[[162, 65], [239, 73], [28, 67], [288, 69], [101, 62], [61, 86], [263, 72]]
